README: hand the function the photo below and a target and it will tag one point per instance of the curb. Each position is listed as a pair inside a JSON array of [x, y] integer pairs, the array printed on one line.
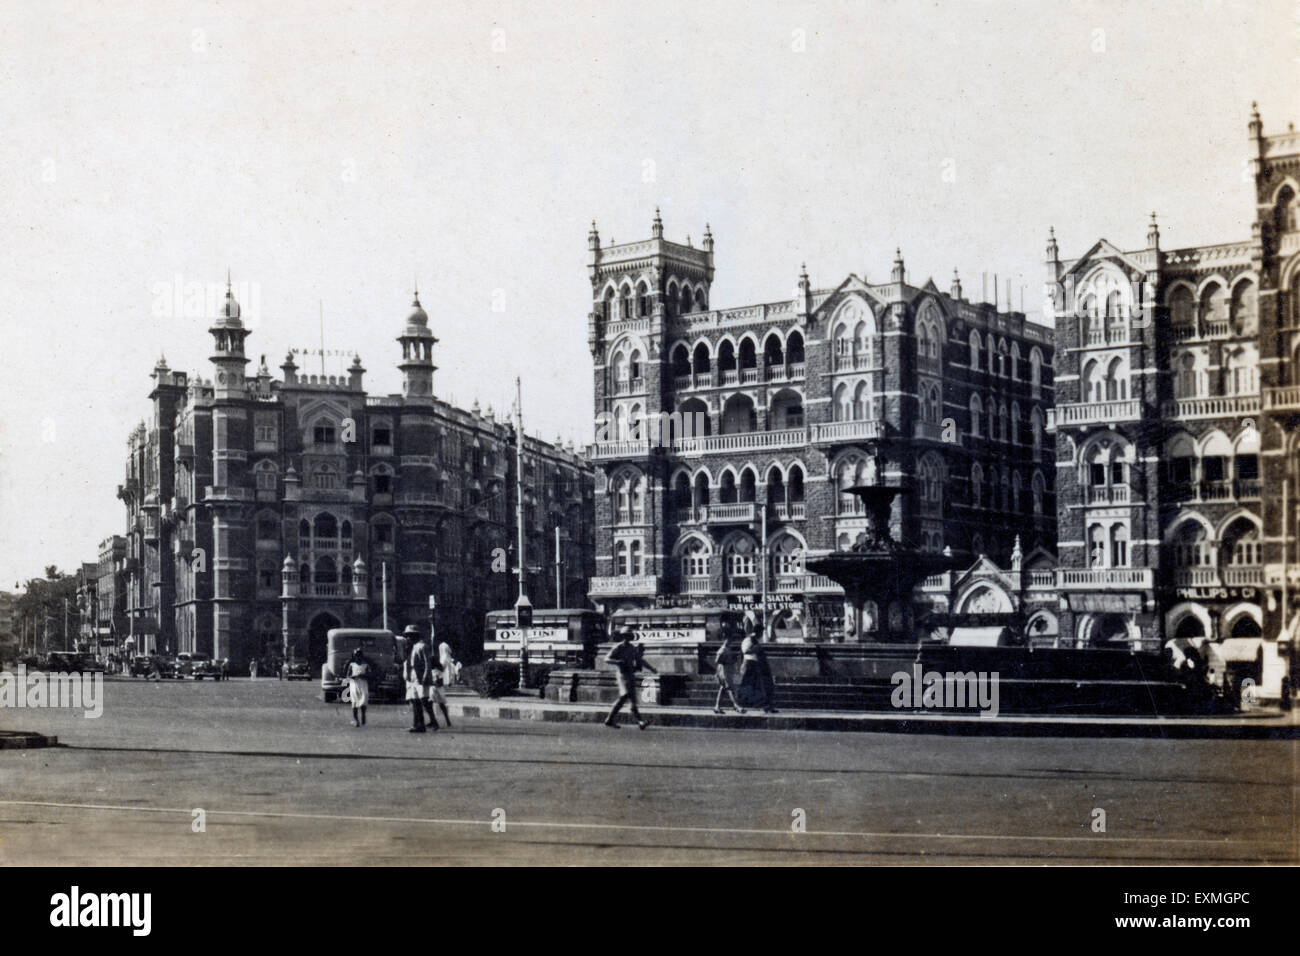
[[1259, 728], [15, 740]]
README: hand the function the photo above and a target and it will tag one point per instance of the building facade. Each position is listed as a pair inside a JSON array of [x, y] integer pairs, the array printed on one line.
[[263, 511], [725, 439], [1175, 430]]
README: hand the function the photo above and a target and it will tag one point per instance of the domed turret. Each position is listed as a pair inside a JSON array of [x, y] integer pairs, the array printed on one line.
[[417, 352]]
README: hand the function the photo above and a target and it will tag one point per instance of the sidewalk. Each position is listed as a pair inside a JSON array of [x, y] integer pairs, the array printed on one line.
[[1263, 724]]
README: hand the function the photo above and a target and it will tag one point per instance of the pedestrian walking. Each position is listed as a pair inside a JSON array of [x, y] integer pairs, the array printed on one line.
[[443, 669], [757, 688], [419, 681], [722, 663], [252, 668], [357, 675], [450, 666], [627, 657]]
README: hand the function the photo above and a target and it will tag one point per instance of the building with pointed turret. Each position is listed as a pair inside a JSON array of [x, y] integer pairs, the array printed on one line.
[[1176, 423], [726, 438], [262, 511]]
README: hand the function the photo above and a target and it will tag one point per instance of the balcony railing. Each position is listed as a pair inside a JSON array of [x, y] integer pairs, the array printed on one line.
[[326, 590], [730, 377], [1106, 494], [1085, 579], [1285, 398], [629, 386], [741, 513], [1196, 577], [630, 584], [1218, 406], [1092, 413], [741, 441], [1244, 576], [639, 448], [1042, 579], [848, 431], [749, 376], [789, 510], [698, 585]]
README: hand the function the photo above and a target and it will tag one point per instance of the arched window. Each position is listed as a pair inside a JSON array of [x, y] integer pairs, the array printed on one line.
[[1214, 304], [976, 486], [1036, 370], [325, 526], [974, 351], [1017, 436], [636, 563], [1241, 545], [625, 297], [1116, 380], [1182, 309], [1039, 490], [1190, 546], [788, 554], [266, 476], [976, 416], [1241, 376], [642, 299], [1118, 546], [1244, 311], [1036, 427], [740, 557], [1187, 379], [695, 559]]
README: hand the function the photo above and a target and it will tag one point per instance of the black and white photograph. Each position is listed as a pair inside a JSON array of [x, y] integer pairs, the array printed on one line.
[[600, 434]]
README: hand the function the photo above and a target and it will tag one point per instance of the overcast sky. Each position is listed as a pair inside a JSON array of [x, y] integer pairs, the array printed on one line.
[[333, 152]]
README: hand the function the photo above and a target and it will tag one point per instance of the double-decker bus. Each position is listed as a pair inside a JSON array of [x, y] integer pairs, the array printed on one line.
[[557, 636]]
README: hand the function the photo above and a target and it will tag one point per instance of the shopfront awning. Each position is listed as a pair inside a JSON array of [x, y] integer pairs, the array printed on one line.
[[978, 636]]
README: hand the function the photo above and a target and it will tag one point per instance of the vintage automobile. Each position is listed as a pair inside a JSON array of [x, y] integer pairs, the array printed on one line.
[[141, 665], [295, 669], [384, 654], [192, 666], [72, 662], [205, 667]]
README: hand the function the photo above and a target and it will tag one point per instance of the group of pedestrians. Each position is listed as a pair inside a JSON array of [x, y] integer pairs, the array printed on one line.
[[426, 670], [757, 688]]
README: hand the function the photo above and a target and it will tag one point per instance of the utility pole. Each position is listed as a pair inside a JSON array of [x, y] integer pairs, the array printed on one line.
[[762, 557], [559, 572], [523, 607]]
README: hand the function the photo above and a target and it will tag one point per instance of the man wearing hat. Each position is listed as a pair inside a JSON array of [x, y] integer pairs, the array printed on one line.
[[419, 680]]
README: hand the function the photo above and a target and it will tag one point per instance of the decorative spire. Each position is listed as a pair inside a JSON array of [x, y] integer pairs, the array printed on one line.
[[657, 228], [954, 290], [1053, 251], [708, 238], [897, 274], [1153, 234], [593, 238]]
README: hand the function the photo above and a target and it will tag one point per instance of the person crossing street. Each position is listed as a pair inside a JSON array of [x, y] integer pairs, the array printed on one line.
[[626, 656]]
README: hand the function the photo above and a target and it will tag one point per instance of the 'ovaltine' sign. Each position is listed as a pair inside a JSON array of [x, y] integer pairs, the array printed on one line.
[[671, 635]]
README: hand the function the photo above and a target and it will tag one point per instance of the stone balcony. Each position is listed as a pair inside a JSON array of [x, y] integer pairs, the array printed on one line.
[[741, 442], [1217, 406], [635, 448], [1286, 398], [1106, 579], [832, 432], [1095, 413]]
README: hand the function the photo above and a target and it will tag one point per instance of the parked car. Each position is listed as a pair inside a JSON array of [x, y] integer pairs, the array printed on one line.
[[72, 662], [186, 665], [141, 665], [295, 669], [205, 667], [383, 654]]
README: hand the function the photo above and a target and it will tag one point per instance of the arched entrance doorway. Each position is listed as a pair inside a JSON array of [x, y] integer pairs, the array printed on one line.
[[317, 645]]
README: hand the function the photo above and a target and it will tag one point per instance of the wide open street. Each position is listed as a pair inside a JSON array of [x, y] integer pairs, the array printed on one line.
[[283, 778]]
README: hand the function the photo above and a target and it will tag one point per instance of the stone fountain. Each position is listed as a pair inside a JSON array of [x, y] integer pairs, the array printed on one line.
[[879, 572]]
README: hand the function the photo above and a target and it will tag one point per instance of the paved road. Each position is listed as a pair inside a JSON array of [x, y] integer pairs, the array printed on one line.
[[284, 778]]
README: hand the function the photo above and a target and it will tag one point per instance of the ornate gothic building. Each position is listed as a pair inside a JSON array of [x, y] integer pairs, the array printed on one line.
[[261, 512], [726, 437]]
